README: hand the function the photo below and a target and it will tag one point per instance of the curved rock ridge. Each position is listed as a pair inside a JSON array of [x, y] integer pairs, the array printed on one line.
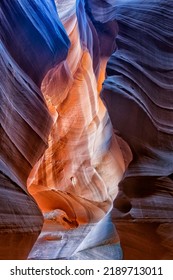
[[85, 165], [24, 116], [20, 221], [25, 125], [78, 170], [139, 80], [32, 40], [103, 10], [75, 182], [138, 95], [38, 36]]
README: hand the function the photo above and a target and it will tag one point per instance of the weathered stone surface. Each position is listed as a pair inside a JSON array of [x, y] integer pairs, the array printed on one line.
[[78, 173], [72, 153], [138, 95], [20, 221], [25, 121], [20, 217], [33, 35]]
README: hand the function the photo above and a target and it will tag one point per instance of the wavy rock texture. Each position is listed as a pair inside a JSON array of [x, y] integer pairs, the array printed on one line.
[[25, 120], [39, 39], [78, 173], [60, 142], [20, 219], [138, 96]]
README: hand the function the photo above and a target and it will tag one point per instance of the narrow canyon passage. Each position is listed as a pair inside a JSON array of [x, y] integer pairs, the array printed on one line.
[[86, 129]]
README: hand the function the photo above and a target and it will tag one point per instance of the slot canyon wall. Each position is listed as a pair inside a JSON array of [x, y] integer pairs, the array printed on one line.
[[86, 140]]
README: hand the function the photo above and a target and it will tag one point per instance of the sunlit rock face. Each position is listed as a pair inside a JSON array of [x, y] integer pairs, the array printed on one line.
[[138, 95], [80, 171], [85, 165], [69, 142]]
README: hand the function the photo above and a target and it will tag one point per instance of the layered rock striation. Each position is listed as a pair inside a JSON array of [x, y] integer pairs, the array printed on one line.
[[138, 95], [20, 220], [67, 158], [24, 117], [80, 171]]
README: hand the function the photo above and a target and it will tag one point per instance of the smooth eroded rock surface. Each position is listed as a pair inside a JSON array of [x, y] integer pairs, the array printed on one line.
[[138, 95], [91, 165]]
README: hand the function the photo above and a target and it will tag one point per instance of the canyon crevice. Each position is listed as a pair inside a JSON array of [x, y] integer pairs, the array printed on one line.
[[86, 131]]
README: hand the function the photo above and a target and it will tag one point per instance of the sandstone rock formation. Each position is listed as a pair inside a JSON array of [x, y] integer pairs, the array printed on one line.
[[21, 221], [62, 152], [138, 96], [25, 122], [80, 171]]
